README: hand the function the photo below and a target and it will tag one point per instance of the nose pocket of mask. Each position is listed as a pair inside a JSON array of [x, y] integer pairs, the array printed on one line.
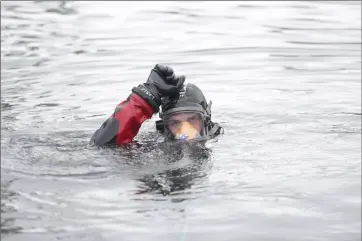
[[186, 132]]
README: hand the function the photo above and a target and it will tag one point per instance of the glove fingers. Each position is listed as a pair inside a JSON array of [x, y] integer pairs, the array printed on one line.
[[175, 89], [165, 81], [170, 79], [165, 71]]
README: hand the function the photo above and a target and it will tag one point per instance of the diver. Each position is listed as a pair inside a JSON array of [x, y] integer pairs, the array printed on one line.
[[185, 114]]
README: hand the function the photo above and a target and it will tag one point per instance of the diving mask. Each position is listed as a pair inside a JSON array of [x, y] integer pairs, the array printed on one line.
[[185, 125]]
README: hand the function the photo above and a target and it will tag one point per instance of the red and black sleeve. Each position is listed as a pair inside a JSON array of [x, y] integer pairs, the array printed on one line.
[[123, 125]]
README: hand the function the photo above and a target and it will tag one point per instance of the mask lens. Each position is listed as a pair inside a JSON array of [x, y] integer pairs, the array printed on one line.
[[185, 125]]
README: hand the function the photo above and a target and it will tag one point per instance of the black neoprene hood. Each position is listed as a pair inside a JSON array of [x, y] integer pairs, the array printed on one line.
[[190, 99]]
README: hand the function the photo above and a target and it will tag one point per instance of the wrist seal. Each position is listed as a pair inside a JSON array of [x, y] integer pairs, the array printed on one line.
[[145, 94]]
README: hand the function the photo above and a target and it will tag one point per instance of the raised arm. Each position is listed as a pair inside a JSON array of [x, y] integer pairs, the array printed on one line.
[[144, 101]]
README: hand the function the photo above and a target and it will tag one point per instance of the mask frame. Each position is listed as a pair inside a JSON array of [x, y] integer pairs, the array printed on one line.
[[205, 114]]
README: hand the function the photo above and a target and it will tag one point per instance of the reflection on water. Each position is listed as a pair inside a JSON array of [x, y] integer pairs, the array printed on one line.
[[285, 82], [7, 211]]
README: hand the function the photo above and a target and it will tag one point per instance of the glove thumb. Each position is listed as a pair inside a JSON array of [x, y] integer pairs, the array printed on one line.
[[180, 81]]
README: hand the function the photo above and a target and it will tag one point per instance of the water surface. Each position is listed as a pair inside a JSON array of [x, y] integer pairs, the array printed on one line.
[[285, 81]]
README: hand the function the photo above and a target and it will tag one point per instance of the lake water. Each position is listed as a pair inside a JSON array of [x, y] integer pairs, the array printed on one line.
[[285, 81]]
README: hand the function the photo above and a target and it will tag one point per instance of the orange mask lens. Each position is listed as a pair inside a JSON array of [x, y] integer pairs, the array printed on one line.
[[186, 132]]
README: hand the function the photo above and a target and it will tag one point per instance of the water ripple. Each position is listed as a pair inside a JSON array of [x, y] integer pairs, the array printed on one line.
[[284, 78]]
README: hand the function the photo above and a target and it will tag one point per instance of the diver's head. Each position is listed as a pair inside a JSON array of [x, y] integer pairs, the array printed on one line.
[[186, 116]]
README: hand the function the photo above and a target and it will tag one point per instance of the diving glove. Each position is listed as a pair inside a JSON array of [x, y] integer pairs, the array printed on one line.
[[161, 82]]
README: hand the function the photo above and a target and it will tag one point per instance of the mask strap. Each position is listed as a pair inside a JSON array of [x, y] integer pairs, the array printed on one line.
[[208, 109], [216, 130]]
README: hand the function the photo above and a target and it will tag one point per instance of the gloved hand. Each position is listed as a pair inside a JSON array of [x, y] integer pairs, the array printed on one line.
[[161, 82]]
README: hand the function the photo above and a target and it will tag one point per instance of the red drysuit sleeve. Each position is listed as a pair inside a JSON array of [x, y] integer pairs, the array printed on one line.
[[123, 125]]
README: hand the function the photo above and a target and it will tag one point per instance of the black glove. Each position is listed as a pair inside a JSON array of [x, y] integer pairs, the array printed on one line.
[[161, 82]]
